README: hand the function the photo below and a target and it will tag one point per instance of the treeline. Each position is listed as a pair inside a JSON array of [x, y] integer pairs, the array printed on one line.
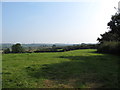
[[110, 41], [17, 48], [68, 48], [82, 46]]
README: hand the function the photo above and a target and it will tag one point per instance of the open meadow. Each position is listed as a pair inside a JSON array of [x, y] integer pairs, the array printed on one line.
[[72, 69]]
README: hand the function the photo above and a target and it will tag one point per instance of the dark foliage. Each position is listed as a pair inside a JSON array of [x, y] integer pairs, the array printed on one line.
[[17, 48], [110, 41], [109, 47], [6, 51], [114, 33]]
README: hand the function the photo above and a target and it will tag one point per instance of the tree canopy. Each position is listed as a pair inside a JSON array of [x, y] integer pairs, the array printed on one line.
[[17, 48], [114, 30], [110, 41]]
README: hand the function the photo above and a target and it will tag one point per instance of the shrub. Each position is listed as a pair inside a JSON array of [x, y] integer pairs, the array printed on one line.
[[109, 47], [7, 50]]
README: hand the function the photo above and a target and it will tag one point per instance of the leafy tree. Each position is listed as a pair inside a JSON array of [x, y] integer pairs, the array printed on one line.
[[110, 41], [54, 46], [17, 48], [7, 50], [114, 33]]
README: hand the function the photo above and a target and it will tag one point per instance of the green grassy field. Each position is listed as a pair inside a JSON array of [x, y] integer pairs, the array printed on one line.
[[72, 69]]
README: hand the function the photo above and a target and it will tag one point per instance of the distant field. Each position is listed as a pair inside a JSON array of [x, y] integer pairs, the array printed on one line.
[[72, 69]]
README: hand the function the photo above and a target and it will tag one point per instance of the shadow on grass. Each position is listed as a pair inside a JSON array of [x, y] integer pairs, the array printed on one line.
[[80, 71]]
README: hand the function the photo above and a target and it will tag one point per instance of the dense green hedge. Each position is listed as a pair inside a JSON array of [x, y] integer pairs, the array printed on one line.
[[109, 47]]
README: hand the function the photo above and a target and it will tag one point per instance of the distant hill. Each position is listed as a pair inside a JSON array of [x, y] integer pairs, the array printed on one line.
[[8, 45]]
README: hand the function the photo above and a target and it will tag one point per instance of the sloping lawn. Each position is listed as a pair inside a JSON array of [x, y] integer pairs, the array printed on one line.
[[72, 69]]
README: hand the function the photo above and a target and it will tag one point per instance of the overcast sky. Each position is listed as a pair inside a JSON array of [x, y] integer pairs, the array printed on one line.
[[56, 22]]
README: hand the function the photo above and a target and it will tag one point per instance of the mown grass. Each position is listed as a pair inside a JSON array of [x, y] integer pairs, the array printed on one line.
[[72, 69]]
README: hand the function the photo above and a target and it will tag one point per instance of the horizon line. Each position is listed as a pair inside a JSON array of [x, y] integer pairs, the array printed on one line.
[[50, 43]]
